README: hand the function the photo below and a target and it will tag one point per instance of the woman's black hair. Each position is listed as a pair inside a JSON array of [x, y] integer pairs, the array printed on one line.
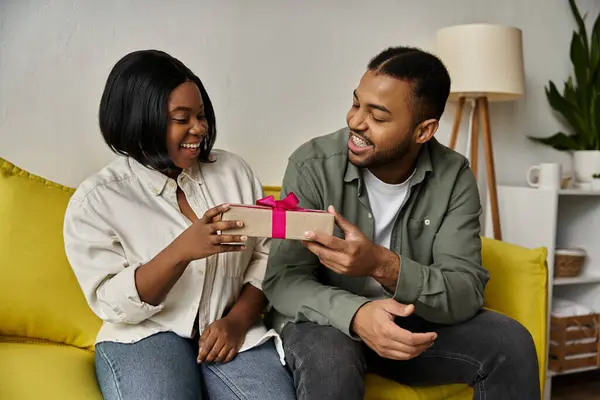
[[133, 109]]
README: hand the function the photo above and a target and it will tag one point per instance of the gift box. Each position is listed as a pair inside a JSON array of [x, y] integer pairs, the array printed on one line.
[[278, 219]]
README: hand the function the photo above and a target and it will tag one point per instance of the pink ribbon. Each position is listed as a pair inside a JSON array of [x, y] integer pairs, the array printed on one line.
[[290, 203]]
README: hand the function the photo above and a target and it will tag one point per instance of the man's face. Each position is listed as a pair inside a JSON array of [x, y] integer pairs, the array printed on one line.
[[380, 121]]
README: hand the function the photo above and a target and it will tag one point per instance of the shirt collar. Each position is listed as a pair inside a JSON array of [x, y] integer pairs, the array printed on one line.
[[422, 168], [424, 165], [157, 181]]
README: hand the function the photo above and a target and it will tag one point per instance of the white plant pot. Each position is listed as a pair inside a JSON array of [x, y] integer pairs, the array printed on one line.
[[585, 164], [596, 184]]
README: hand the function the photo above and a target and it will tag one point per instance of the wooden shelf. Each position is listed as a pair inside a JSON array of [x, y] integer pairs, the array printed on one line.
[[578, 280], [572, 371], [578, 192]]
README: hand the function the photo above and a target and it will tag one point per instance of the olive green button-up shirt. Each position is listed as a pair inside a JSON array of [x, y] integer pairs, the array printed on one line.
[[436, 235]]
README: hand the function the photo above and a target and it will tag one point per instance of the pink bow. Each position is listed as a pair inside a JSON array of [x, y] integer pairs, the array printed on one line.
[[290, 203]]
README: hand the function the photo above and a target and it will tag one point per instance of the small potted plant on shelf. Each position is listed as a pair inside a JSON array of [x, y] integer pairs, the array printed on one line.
[[596, 182], [579, 102]]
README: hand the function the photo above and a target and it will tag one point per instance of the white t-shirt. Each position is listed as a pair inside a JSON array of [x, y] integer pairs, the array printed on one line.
[[386, 202]]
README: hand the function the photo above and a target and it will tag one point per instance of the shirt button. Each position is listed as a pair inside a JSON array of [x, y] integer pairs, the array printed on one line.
[[201, 273], [370, 215], [427, 222]]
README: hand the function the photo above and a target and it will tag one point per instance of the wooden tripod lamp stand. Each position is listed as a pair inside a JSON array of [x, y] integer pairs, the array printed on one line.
[[485, 63]]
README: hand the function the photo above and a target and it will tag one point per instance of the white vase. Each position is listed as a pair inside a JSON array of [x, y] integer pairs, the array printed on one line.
[[585, 164]]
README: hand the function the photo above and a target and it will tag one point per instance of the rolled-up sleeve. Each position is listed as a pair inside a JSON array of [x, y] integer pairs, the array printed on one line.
[[101, 268], [255, 272]]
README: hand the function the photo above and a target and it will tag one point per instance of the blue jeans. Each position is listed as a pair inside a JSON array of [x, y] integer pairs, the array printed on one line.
[[163, 367]]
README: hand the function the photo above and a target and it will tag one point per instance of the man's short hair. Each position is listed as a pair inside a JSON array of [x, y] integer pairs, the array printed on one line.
[[426, 74]]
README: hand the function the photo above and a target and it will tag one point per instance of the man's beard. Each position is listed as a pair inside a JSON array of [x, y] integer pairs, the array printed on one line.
[[385, 158]]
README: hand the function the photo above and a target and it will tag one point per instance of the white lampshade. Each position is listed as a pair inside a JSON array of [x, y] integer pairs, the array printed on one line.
[[483, 60]]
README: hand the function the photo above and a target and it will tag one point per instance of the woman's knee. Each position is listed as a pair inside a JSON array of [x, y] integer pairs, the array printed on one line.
[[254, 374]]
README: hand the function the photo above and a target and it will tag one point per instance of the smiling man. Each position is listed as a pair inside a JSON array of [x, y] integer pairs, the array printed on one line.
[[398, 290]]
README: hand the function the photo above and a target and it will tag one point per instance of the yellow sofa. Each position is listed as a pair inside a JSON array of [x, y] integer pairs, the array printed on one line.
[[47, 331]]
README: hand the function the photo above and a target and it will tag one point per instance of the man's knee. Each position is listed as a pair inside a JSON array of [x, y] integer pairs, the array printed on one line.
[[323, 348], [325, 363], [514, 342]]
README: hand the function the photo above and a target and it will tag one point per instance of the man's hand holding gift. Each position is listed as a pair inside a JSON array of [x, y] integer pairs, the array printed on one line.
[[357, 255]]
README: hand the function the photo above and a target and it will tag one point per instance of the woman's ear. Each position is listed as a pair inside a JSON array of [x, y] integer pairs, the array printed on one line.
[[426, 130]]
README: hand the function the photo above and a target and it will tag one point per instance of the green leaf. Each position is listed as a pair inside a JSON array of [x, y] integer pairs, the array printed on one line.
[[596, 118], [595, 55], [580, 24], [595, 44], [569, 92], [559, 141], [569, 111], [588, 134], [579, 58], [595, 77], [591, 136]]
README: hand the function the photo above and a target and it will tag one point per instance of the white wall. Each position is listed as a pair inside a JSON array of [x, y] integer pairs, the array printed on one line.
[[278, 72]]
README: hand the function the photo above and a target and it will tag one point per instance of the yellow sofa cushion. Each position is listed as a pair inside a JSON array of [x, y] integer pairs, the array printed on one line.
[[39, 295], [46, 371], [518, 287], [378, 388]]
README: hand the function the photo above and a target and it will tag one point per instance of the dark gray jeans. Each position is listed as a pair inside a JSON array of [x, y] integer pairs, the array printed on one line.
[[491, 353]]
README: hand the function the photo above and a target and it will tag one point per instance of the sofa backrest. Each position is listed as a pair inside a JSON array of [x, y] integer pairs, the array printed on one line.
[[39, 294]]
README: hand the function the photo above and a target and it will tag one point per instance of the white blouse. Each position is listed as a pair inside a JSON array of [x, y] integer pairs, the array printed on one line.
[[121, 217]]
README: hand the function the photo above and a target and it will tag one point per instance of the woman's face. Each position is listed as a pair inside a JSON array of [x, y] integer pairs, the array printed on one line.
[[187, 125]]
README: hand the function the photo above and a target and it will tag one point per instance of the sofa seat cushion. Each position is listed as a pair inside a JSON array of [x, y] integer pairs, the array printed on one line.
[[378, 388], [32, 370], [39, 294], [35, 370]]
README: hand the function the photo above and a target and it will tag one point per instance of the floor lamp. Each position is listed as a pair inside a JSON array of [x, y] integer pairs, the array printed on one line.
[[485, 63]]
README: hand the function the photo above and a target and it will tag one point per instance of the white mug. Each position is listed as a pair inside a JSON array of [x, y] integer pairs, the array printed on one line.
[[549, 176]]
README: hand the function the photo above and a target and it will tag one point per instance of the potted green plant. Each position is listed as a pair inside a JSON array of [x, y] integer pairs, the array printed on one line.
[[579, 103]]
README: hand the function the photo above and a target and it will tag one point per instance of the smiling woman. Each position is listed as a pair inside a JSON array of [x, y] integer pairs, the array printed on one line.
[[141, 236]]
